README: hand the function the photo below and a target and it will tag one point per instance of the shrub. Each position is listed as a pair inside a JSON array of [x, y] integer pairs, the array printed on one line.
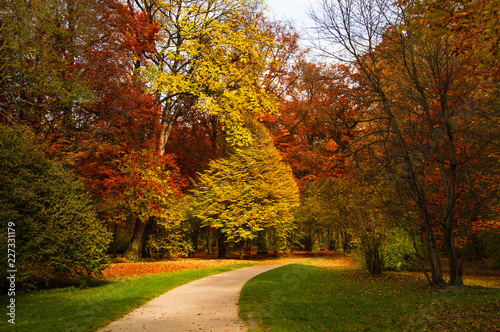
[[399, 252], [490, 242], [57, 235]]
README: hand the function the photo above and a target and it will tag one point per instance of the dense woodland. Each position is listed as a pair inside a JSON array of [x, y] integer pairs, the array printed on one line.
[[148, 128]]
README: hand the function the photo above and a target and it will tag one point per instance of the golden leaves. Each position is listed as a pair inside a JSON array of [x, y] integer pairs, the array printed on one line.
[[210, 52]]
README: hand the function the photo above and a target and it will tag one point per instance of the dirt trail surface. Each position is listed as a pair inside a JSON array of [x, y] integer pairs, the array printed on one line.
[[208, 304]]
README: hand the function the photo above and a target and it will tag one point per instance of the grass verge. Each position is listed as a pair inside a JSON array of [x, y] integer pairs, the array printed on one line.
[[336, 296], [75, 309]]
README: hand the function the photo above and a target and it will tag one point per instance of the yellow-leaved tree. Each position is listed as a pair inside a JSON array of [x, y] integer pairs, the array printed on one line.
[[209, 56], [249, 192]]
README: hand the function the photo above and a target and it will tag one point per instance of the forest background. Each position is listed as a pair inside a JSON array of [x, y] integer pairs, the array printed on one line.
[[147, 128]]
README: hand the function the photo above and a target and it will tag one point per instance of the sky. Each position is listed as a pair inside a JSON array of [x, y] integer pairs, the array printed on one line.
[[293, 10]]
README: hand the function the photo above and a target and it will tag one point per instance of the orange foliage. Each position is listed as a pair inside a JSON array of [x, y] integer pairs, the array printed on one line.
[[317, 120]]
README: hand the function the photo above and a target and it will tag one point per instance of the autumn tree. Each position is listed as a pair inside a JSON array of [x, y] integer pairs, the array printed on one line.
[[209, 53], [317, 119], [426, 114], [47, 53], [204, 63], [250, 191], [68, 75]]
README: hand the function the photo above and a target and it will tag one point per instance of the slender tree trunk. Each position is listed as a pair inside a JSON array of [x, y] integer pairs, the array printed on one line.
[[261, 243], [221, 242], [115, 231], [134, 250], [432, 250], [345, 242], [436, 271], [209, 241], [455, 275]]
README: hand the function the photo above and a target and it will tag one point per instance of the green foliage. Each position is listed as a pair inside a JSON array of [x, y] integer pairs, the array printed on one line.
[[168, 236], [40, 73], [399, 252], [490, 242], [249, 191], [324, 208], [57, 233]]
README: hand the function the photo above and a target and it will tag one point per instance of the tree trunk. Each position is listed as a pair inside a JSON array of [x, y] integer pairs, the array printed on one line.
[[208, 239], [195, 236], [449, 180], [115, 230], [345, 243], [261, 243], [221, 243], [455, 275], [373, 259], [134, 250], [437, 274]]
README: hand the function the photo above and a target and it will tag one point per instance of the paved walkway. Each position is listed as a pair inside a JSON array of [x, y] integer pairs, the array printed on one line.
[[208, 304]]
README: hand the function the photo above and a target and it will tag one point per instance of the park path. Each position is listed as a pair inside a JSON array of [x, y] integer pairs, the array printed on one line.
[[208, 304]]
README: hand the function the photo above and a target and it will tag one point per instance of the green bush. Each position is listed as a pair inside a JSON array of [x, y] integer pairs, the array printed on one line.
[[57, 235], [399, 252], [489, 239]]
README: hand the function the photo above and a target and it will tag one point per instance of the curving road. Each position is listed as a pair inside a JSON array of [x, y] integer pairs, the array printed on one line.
[[208, 304]]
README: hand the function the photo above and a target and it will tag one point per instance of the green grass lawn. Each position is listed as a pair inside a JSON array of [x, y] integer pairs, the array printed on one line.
[[74, 309], [311, 297]]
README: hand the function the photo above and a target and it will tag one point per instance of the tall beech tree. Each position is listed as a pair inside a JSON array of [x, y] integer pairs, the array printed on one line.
[[250, 191], [214, 59]]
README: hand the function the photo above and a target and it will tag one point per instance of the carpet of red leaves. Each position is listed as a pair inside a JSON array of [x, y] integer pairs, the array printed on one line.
[[121, 270], [199, 261]]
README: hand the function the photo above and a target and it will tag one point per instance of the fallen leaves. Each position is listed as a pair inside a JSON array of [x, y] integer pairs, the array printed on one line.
[[121, 270]]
